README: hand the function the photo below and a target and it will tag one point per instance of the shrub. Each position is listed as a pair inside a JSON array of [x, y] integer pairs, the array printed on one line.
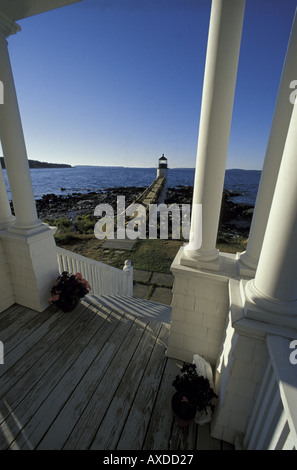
[[85, 223]]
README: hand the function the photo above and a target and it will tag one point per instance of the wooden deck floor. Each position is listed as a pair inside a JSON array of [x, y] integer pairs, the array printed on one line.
[[91, 379]]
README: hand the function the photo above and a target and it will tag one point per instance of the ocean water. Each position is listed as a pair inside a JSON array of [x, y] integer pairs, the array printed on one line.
[[82, 179]]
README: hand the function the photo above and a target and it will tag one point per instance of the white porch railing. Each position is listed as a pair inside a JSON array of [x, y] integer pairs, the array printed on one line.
[[273, 423], [103, 279]]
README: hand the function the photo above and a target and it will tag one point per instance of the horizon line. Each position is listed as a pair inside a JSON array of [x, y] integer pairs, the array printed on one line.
[[155, 167]]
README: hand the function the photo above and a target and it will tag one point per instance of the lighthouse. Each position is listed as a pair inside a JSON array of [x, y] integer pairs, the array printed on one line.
[[162, 167], [162, 171]]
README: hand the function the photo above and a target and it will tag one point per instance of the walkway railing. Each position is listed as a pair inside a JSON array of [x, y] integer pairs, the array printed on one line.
[[152, 193], [103, 279], [273, 424]]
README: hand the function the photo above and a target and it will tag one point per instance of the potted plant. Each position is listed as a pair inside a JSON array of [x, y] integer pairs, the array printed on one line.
[[68, 290], [194, 395]]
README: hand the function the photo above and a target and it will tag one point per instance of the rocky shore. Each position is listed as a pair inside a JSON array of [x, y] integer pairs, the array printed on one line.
[[235, 218], [234, 221], [51, 206]]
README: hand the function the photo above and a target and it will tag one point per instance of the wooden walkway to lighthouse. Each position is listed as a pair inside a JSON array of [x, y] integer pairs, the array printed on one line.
[[151, 195]]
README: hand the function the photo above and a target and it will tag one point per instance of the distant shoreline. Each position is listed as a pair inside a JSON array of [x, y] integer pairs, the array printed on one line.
[[37, 164]]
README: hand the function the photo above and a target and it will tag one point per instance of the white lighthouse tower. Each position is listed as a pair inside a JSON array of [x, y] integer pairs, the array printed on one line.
[[162, 171], [163, 167]]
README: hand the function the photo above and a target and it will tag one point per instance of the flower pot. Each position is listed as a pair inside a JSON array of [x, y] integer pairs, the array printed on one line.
[[67, 305], [183, 410], [68, 290]]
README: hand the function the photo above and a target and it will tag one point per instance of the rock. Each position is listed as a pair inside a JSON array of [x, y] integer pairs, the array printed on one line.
[[235, 218]]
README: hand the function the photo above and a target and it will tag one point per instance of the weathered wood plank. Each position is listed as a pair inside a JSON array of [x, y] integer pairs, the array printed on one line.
[[72, 377], [86, 345], [67, 419], [134, 430], [91, 417], [163, 431], [110, 429], [57, 399], [28, 335], [11, 314], [159, 429], [41, 356], [15, 322]]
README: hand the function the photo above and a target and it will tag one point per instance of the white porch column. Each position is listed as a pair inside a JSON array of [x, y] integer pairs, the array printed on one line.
[[12, 139], [272, 295], [6, 217], [222, 57], [28, 245], [266, 305], [281, 120]]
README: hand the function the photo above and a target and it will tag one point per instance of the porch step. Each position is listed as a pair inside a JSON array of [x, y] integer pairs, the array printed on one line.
[[135, 306]]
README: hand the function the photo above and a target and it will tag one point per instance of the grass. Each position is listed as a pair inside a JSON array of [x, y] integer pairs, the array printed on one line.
[[154, 255], [237, 246], [149, 255]]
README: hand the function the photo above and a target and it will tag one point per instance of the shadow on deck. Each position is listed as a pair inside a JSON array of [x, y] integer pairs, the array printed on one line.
[[94, 378]]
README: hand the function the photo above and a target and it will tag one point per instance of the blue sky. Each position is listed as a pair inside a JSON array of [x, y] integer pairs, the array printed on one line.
[[119, 82]]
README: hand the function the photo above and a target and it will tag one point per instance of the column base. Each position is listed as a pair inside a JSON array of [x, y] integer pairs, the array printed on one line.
[[6, 222], [266, 309], [33, 267], [246, 266], [201, 260], [30, 229]]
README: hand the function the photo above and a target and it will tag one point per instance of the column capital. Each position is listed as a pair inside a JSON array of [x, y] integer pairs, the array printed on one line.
[[7, 26]]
